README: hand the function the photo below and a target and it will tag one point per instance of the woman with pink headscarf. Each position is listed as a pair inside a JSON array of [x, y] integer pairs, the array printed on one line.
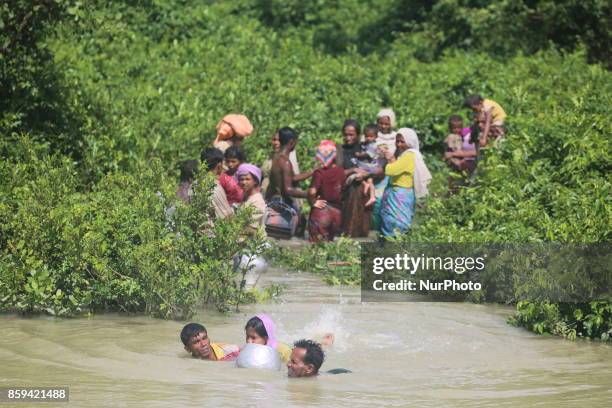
[[231, 130], [261, 330], [249, 177], [325, 195]]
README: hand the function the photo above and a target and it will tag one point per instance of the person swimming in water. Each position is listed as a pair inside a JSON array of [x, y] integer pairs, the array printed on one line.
[[307, 358], [196, 341], [261, 329]]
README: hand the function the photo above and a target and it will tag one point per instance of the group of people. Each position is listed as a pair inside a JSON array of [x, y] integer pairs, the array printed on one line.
[[303, 360], [371, 181], [463, 143]]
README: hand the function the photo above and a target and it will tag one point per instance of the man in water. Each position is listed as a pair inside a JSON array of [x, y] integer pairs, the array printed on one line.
[[307, 357], [196, 341]]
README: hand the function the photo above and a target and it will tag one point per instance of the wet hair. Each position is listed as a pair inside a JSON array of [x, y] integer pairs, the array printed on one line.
[[351, 123], [188, 170], [257, 324], [473, 100], [286, 134], [235, 152], [370, 127], [190, 330], [314, 353], [212, 157], [454, 119]]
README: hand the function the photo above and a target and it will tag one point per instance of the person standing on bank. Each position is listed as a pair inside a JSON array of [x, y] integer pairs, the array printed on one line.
[[231, 130], [408, 180], [281, 191], [325, 195], [355, 215], [250, 180], [386, 122]]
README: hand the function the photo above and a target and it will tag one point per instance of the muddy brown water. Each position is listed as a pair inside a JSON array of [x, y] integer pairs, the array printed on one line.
[[401, 354]]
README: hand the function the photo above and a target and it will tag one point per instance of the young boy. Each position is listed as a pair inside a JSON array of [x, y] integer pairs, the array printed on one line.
[[460, 152], [494, 117], [196, 341], [212, 160], [234, 157]]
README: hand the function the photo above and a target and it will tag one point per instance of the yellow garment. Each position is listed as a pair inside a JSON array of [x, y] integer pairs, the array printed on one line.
[[498, 115], [284, 351], [401, 171], [225, 351]]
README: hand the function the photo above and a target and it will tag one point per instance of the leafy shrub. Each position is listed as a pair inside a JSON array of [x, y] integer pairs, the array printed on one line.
[[114, 248]]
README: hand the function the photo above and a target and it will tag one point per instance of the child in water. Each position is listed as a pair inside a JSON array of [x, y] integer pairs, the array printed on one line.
[[260, 329]]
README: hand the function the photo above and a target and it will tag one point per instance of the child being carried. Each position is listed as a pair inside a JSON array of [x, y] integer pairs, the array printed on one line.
[[369, 160]]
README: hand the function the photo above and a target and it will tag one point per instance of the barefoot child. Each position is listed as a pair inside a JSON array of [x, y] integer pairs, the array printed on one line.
[[494, 116]]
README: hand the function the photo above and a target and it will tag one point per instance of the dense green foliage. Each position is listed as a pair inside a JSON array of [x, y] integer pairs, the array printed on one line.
[[101, 100], [499, 28], [117, 247]]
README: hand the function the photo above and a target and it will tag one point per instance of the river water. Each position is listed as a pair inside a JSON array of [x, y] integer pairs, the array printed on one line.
[[401, 354]]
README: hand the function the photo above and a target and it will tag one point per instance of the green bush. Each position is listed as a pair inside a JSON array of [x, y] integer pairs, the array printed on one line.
[[112, 95], [113, 248]]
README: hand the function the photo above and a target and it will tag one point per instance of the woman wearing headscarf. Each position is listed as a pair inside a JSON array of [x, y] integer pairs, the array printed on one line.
[[250, 180], [386, 129], [355, 215], [325, 195], [231, 130], [408, 180], [260, 329], [385, 140]]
